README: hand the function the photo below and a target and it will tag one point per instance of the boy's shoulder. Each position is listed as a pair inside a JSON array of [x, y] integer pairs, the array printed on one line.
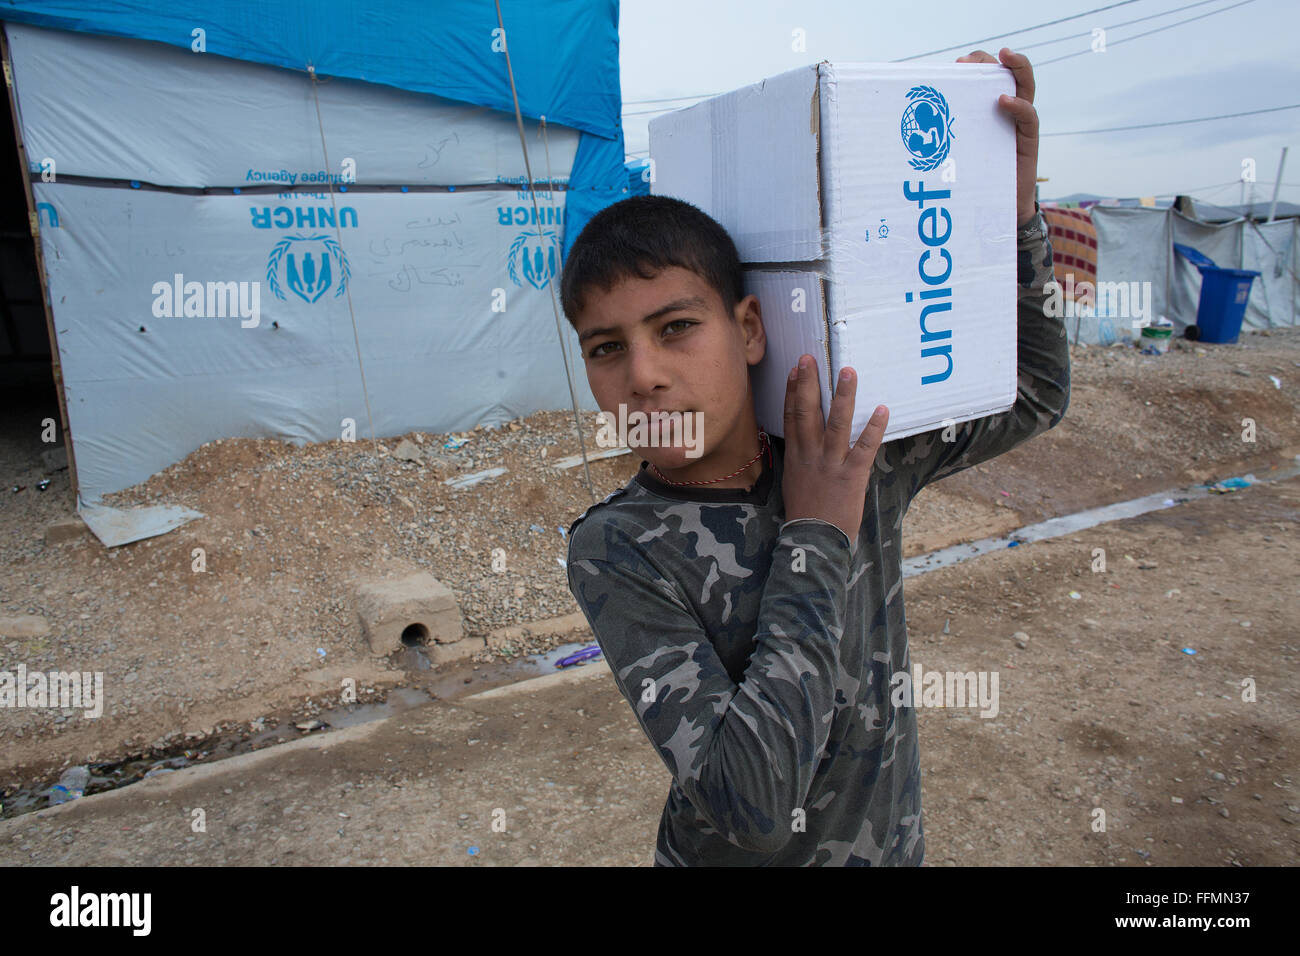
[[598, 531], [629, 527]]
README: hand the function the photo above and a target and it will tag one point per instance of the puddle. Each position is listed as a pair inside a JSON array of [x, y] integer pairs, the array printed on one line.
[[121, 773], [461, 683]]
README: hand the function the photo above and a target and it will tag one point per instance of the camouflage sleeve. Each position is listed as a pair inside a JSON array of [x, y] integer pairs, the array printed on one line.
[[1042, 384], [745, 753]]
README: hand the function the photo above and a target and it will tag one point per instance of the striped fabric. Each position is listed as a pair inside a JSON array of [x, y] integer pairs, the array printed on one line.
[[1074, 246]]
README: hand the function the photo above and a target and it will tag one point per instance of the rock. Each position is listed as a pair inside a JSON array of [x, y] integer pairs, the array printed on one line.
[[24, 625], [1021, 639], [1147, 565], [55, 459], [407, 450]]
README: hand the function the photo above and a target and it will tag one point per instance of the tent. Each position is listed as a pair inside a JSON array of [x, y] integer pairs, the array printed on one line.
[[308, 220], [1137, 269]]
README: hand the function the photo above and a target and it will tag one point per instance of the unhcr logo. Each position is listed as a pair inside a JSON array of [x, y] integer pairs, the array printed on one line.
[[309, 265], [535, 256]]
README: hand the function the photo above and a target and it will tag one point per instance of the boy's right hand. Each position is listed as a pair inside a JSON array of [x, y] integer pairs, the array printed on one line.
[[825, 476]]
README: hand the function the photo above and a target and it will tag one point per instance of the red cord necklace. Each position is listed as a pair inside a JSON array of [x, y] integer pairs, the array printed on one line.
[[762, 447]]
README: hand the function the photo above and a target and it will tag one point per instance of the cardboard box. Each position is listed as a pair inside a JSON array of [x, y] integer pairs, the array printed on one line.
[[874, 206]]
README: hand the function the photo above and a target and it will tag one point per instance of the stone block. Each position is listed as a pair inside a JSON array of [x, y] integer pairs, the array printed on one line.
[[65, 529], [417, 604]]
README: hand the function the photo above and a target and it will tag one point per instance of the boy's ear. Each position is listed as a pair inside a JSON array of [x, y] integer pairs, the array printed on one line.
[[749, 317]]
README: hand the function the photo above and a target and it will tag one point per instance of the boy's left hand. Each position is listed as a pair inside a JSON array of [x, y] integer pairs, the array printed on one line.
[[1020, 108]]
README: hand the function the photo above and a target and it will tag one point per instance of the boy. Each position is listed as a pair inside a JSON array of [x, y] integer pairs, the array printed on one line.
[[747, 593]]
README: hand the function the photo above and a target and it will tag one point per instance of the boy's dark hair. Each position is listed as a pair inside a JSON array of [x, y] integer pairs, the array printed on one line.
[[643, 235]]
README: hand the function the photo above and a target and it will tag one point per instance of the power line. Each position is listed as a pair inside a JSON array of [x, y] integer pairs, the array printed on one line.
[[1138, 36], [1000, 36], [700, 96], [1049, 23], [662, 109], [1127, 23], [1199, 119]]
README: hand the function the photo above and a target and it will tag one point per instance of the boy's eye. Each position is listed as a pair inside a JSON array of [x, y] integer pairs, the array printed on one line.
[[597, 353]]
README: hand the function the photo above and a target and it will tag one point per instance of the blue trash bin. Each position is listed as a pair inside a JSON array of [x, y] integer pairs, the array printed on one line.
[[1224, 294]]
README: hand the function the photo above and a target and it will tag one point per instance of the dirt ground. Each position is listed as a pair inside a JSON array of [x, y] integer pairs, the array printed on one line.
[[1101, 710], [287, 530]]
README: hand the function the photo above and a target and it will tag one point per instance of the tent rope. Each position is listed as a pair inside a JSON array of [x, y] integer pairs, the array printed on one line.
[[356, 338], [550, 284]]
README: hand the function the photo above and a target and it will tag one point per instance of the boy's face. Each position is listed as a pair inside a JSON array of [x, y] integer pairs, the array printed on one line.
[[667, 344]]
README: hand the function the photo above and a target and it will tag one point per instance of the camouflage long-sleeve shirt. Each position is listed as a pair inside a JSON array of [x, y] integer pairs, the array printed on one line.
[[757, 652]]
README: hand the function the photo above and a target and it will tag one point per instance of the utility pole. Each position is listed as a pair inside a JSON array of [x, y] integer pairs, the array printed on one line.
[[1277, 184]]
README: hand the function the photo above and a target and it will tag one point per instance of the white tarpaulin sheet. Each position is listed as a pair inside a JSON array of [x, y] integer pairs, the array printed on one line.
[[129, 109], [115, 527], [424, 272]]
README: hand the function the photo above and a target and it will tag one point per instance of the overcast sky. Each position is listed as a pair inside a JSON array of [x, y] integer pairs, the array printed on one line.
[[1245, 58]]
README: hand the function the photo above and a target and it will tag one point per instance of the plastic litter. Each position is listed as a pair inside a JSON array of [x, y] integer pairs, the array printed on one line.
[[1188, 650], [1075, 595], [320, 651], [1277, 382], [535, 527], [564, 532], [465, 481], [454, 443], [71, 786], [1231, 484], [42, 484], [585, 654]]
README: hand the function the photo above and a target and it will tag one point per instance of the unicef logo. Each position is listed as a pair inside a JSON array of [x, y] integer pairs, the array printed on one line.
[[536, 255], [309, 265], [926, 127]]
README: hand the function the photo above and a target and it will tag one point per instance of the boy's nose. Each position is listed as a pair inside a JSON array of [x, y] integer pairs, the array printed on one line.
[[646, 373]]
